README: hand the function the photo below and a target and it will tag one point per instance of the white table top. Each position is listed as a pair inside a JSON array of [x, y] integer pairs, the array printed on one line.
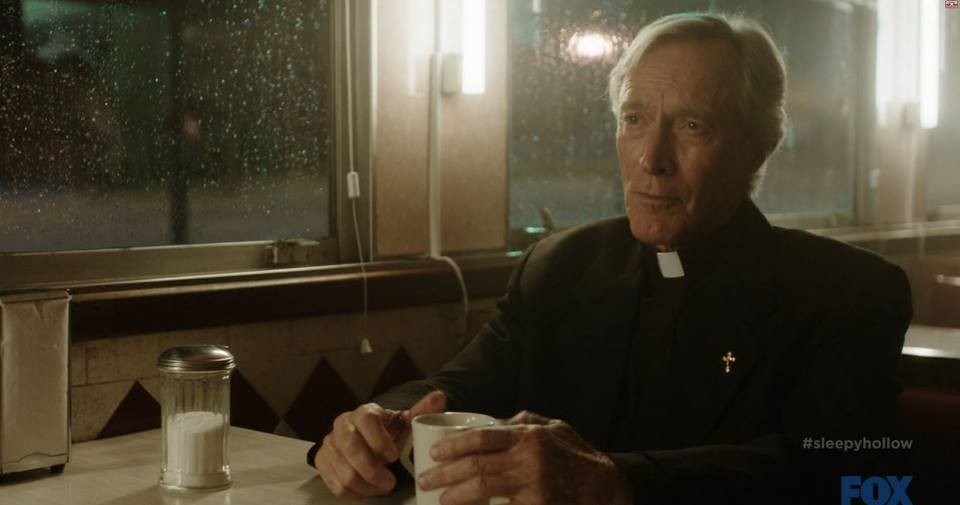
[[267, 470]]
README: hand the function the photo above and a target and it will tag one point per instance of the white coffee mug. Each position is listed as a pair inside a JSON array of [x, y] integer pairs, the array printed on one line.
[[427, 429]]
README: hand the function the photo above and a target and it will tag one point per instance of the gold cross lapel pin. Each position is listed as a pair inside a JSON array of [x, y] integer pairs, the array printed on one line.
[[728, 359]]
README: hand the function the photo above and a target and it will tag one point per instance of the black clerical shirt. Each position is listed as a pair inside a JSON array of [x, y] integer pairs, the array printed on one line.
[[644, 402]]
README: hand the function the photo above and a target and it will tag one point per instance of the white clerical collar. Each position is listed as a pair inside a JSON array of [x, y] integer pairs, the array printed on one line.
[[670, 265]]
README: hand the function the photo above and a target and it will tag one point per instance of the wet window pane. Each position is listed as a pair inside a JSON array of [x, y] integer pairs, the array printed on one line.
[[943, 178], [562, 157], [148, 123]]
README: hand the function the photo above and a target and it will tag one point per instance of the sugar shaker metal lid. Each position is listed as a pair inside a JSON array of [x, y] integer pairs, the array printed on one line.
[[196, 358]]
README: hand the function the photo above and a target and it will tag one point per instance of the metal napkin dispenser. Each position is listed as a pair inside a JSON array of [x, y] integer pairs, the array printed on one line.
[[34, 381]]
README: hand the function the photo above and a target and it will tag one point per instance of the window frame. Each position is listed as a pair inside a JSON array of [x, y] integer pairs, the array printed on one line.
[[70, 267]]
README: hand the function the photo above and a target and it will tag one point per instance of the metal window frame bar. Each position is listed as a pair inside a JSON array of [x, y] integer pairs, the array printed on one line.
[[361, 45]]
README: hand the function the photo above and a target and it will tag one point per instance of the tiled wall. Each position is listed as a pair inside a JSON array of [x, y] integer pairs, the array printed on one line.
[[292, 376]]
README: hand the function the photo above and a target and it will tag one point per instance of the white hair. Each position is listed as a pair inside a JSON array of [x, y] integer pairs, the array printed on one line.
[[763, 89]]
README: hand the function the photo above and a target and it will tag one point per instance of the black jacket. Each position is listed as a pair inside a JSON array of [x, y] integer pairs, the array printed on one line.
[[816, 327]]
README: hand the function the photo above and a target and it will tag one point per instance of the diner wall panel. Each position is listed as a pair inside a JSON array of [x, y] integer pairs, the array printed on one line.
[[473, 151], [472, 137], [293, 376], [404, 45]]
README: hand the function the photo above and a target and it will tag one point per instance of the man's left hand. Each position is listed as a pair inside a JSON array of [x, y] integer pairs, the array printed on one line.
[[531, 460]]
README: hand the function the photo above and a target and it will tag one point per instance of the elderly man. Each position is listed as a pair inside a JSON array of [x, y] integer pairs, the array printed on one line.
[[678, 354]]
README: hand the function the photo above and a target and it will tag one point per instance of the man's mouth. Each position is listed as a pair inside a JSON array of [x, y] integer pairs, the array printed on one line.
[[656, 198]]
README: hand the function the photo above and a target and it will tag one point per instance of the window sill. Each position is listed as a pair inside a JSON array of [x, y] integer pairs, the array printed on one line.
[[925, 229], [122, 308], [105, 309], [915, 238]]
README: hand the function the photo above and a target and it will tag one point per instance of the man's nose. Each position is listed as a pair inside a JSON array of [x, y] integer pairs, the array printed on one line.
[[657, 157]]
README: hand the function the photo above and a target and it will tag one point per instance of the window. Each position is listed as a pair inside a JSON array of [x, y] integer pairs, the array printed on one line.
[[562, 159], [207, 129], [943, 181], [151, 123]]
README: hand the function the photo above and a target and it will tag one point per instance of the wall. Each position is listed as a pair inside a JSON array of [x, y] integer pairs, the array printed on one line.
[[292, 378], [404, 41], [473, 133]]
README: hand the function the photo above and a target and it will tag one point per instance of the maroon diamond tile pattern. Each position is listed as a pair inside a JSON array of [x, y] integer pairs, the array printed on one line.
[[247, 408], [138, 411], [400, 369], [324, 396]]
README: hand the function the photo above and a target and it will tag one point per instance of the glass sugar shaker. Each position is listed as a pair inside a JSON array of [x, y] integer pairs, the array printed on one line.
[[195, 411]]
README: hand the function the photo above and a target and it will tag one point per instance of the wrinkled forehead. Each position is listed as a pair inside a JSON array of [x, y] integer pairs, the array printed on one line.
[[703, 74]]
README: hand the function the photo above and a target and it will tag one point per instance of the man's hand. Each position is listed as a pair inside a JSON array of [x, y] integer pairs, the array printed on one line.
[[352, 460], [531, 459]]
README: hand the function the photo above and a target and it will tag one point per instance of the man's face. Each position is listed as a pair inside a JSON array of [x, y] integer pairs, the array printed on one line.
[[684, 160]]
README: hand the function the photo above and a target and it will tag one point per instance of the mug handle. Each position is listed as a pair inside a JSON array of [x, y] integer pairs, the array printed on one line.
[[406, 457]]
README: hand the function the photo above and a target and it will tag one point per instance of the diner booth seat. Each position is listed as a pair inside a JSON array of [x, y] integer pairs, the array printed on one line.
[[928, 413]]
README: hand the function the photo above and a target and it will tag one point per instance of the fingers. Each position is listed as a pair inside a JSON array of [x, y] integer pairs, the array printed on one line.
[[353, 456], [434, 401], [324, 463], [474, 441], [351, 478], [464, 469], [395, 424], [527, 417], [370, 420], [364, 472], [479, 489]]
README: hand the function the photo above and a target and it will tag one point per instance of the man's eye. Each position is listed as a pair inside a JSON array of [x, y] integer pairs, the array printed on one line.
[[631, 118], [695, 128]]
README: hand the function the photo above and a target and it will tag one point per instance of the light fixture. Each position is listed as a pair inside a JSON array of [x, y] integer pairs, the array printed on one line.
[[587, 46], [929, 63], [474, 30], [908, 62]]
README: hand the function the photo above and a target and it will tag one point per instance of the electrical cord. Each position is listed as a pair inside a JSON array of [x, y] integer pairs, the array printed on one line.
[[365, 347], [463, 285], [353, 178], [353, 184]]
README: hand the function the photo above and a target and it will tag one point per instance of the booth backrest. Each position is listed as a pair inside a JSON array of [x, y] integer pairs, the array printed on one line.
[[945, 302]]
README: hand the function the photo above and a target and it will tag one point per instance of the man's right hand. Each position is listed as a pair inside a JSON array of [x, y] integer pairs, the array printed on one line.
[[352, 460]]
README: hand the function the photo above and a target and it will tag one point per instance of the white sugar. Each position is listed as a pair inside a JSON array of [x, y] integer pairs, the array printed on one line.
[[195, 443]]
